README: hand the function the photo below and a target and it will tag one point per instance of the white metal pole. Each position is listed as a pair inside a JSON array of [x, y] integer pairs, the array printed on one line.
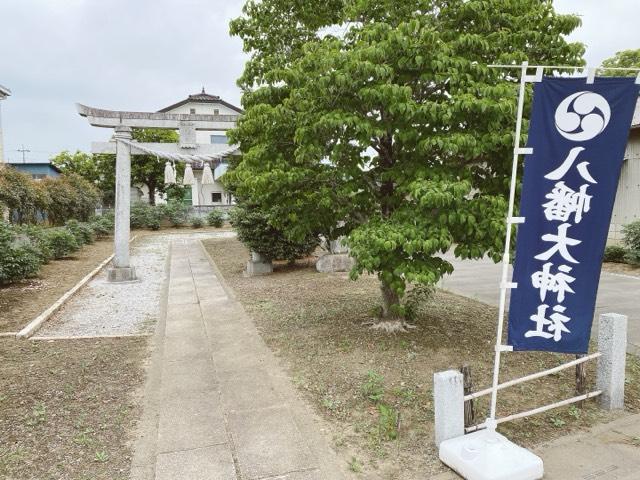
[[533, 376], [507, 245]]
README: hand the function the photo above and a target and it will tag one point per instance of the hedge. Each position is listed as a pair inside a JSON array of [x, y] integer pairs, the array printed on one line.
[[57, 199], [254, 230], [25, 248]]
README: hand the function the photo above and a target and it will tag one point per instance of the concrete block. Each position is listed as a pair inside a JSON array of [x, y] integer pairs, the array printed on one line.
[[448, 400], [210, 463], [258, 267], [612, 343], [334, 262], [121, 274], [487, 455]]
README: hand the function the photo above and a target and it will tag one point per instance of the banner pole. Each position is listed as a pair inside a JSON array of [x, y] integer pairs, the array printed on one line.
[[504, 286]]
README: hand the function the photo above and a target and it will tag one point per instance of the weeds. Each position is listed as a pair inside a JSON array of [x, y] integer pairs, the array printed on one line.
[[355, 466], [101, 456], [387, 422], [557, 422], [38, 415], [373, 388]]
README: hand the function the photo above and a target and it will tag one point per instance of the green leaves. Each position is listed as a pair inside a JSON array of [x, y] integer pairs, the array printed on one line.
[[392, 126]]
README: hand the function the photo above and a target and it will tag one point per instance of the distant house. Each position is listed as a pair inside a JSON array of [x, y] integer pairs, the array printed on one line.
[[37, 170], [627, 205], [4, 93], [206, 104]]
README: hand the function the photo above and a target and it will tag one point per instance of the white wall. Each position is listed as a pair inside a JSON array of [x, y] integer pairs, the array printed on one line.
[[201, 194], [627, 206], [203, 136]]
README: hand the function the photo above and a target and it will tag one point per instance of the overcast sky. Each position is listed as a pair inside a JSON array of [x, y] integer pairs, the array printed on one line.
[[147, 54]]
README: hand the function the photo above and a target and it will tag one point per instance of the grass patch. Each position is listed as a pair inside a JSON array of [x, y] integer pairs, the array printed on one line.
[[374, 390], [67, 407]]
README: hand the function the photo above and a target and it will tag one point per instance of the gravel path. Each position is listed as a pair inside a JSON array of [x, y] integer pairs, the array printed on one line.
[[103, 308]]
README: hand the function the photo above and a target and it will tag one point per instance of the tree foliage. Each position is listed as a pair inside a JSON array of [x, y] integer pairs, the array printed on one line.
[[59, 198], [259, 235], [622, 59], [383, 117], [70, 197], [101, 169]]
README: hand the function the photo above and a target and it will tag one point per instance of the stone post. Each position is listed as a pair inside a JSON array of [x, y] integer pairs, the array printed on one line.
[[612, 343], [121, 270], [448, 403], [258, 265]]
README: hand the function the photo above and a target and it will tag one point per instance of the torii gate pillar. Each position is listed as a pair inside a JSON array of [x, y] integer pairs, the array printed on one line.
[[121, 270]]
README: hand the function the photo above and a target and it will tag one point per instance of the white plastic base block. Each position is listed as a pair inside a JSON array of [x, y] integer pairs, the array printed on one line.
[[487, 455]]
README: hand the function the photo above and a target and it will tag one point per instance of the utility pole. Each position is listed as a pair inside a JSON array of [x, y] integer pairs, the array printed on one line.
[[23, 150]]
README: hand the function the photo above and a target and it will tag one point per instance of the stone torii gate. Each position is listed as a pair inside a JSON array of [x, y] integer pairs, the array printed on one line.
[[123, 147]]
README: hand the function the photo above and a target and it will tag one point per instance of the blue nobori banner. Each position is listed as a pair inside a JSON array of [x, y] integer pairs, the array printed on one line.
[[578, 134]]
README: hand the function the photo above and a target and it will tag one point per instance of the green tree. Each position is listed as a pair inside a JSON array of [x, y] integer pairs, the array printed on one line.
[[622, 59], [383, 117], [148, 169], [80, 163], [100, 169]]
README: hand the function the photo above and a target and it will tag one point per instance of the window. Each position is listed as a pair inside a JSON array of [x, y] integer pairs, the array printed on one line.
[[192, 110], [219, 139], [216, 197], [216, 111]]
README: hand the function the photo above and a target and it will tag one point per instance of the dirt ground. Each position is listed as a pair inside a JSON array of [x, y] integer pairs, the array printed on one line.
[[621, 268], [375, 389], [23, 301], [67, 407]]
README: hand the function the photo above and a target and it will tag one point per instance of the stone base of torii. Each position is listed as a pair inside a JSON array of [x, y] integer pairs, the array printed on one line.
[[122, 146]]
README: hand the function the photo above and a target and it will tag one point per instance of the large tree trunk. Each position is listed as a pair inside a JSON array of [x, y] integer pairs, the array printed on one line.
[[390, 321], [389, 298], [152, 193]]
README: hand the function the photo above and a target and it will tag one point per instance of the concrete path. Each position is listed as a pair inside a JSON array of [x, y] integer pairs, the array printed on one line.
[[607, 452], [217, 404], [480, 279]]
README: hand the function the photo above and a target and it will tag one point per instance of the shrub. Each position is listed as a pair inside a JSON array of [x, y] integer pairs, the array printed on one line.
[[177, 213], [70, 197], [144, 215], [102, 226], [61, 241], [18, 259], [417, 300], [215, 218], [18, 193], [614, 253], [38, 239], [631, 238], [631, 235], [632, 257], [83, 232], [254, 230], [197, 222]]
